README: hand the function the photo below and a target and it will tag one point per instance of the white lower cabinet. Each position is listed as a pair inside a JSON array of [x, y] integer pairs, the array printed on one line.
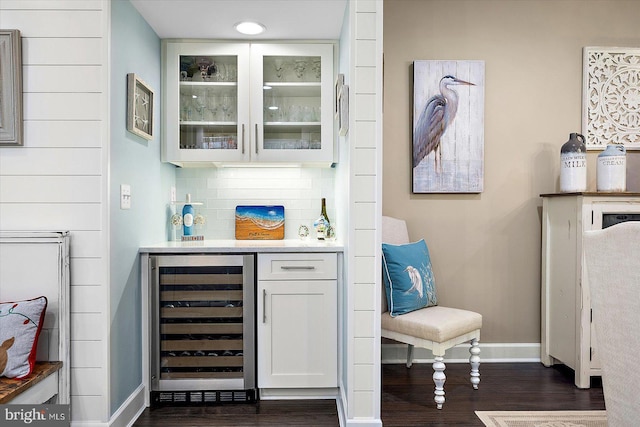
[[297, 320]]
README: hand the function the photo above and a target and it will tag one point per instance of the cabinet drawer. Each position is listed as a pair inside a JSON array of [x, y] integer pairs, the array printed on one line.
[[297, 266]]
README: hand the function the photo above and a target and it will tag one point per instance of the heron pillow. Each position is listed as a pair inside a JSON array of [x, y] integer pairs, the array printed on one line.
[[408, 278], [20, 326]]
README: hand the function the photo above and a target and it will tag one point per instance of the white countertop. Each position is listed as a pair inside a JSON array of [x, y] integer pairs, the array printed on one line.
[[237, 246]]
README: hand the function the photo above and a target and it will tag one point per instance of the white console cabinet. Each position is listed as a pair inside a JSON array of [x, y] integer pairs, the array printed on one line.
[[297, 321], [567, 335]]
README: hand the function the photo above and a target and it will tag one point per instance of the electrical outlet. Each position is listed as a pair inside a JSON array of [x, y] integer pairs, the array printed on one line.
[[125, 196], [173, 194]]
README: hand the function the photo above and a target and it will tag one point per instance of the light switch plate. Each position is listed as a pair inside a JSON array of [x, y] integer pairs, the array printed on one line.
[[173, 194], [125, 196]]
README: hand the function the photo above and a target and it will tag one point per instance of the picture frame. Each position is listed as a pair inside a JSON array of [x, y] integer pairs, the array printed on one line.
[[447, 153], [139, 107], [11, 131], [337, 89], [343, 115], [609, 95]]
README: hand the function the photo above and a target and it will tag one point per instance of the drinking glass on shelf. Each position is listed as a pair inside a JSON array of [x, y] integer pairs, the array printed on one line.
[[226, 105], [201, 102], [299, 67], [213, 104], [278, 64], [316, 66]]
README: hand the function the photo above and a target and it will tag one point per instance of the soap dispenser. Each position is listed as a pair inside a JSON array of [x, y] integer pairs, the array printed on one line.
[[187, 217]]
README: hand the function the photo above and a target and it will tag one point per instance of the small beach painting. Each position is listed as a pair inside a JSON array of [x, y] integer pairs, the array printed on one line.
[[259, 222]]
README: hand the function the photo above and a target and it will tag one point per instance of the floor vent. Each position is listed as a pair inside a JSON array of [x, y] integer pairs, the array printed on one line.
[[169, 398]]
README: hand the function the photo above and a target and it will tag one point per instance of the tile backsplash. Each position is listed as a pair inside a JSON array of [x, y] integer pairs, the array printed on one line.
[[220, 190]]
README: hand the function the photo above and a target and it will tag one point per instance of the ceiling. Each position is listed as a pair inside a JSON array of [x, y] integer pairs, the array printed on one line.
[[214, 19]]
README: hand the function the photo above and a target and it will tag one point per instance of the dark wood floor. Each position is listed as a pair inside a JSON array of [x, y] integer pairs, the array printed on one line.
[[407, 400]]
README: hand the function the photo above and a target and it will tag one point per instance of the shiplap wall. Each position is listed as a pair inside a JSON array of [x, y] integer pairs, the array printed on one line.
[[57, 181], [363, 256]]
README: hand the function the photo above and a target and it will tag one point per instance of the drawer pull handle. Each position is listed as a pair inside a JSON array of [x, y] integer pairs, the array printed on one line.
[[298, 267]]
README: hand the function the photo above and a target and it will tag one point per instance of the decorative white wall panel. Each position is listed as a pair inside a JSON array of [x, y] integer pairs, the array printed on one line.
[[611, 97], [363, 392], [58, 179]]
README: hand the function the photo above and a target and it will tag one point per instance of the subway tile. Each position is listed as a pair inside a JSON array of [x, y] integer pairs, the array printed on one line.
[[365, 81], [366, 26]]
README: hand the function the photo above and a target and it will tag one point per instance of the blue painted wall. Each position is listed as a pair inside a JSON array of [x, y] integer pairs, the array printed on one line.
[[135, 48]]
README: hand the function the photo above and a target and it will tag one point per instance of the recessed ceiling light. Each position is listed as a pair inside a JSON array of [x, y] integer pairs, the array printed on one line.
[[249, 28]]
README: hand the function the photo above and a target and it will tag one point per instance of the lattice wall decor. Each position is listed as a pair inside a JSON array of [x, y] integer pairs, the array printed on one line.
[[611, 97]]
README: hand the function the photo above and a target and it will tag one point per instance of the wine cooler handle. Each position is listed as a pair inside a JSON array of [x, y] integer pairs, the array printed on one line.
[[243, 138], [257, 139], [264, 306], [297, 267]]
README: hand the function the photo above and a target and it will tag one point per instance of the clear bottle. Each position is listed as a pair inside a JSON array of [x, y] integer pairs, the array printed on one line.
[[322, 223]]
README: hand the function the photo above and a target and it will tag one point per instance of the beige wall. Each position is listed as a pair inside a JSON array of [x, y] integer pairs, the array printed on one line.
[[486, 247]]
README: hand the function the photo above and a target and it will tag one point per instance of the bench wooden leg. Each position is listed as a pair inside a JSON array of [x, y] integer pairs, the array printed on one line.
[[474, 360], [439, 378], [409, 355]]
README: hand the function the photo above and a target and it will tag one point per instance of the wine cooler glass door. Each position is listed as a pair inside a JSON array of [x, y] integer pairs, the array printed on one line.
[[203, 328]]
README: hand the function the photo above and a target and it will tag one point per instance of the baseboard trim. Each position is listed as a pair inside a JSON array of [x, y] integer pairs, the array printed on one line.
[[130, 409], [489, 353]]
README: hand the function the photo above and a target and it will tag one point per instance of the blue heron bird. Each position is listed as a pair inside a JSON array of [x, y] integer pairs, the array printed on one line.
[[436, 116]]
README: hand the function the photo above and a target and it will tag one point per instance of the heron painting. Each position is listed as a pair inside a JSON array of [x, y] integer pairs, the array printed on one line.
[[448, 126]]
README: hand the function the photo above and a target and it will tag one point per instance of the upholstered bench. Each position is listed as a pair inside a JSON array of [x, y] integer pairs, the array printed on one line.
[[435, 328]]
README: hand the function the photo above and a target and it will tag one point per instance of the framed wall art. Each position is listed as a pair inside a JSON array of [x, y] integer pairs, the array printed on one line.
[[10, 89], [343, 110], [139, 107], [611, 97], [337, 88], [448, 127]]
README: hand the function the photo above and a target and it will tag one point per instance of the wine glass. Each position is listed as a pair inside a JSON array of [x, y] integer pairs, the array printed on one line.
[[201, 102], [227, 105], [299, 67], [213, 103], [278, 64]]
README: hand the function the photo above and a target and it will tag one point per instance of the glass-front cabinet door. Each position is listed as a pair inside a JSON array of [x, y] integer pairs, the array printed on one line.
[[247, 102], [292, 116], [206, 109]]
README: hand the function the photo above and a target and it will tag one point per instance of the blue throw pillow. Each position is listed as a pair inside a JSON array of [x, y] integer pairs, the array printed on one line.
[[408, 278]]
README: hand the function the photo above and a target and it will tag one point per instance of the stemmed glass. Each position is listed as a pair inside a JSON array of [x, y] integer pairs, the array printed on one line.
[[227, 105], [213, 103], [299, 67], [278, 64], [201, 102]]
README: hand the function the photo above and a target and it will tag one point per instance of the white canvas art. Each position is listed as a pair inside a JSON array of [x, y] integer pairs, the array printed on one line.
[[448, 126], [611, 97]]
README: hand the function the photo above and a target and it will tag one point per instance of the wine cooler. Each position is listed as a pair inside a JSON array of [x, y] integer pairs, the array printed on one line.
[[203, 329]]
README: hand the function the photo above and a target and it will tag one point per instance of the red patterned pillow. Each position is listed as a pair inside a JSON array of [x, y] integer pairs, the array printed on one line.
[[20, 325]]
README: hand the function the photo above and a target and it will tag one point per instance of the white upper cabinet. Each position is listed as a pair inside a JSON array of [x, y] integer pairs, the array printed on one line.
[[239, 103]]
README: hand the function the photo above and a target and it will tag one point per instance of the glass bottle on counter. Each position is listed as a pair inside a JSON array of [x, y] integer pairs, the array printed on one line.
[[322, 223], [187, 217]]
